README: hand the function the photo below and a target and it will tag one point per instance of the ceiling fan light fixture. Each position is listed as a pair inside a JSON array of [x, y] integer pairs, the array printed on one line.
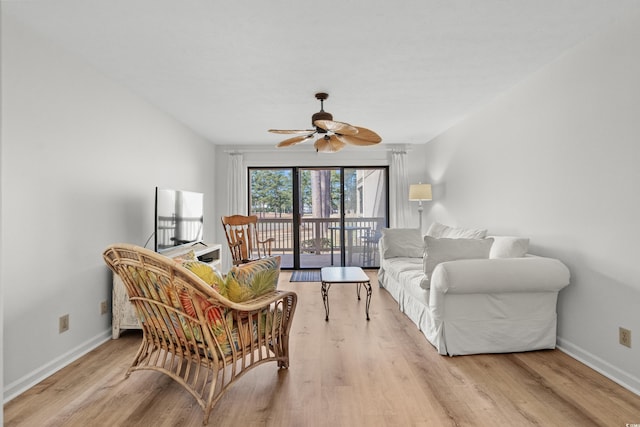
[[321, 115], [328, 144]]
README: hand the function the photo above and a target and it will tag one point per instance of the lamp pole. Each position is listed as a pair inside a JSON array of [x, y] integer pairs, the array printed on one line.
[[419, 193]]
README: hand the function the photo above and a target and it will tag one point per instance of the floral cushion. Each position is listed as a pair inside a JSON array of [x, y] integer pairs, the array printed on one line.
[[190, 255], [249, 281], [229, 333], [243, 283], [205, 271]]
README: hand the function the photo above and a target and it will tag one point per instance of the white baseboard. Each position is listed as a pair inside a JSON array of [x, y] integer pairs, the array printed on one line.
[[26, 382], [615, 374]]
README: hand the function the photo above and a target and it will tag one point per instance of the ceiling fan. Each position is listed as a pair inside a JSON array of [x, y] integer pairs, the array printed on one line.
[[333, 136]]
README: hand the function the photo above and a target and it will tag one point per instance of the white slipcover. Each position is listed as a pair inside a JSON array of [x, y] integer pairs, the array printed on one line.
[[479, 305]]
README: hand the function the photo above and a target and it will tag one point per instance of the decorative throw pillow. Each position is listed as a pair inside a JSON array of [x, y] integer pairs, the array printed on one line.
[[248, 281], [440, 230], [509, 247], [204, 271], [445, 249], [190, 255], [402, 242]]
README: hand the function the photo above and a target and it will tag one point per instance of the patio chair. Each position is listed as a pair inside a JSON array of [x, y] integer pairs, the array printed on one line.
[[242, 236], [370, 239], [192, 333]]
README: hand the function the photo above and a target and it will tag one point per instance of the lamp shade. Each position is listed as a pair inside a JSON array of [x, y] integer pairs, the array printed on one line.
[[419, 192]]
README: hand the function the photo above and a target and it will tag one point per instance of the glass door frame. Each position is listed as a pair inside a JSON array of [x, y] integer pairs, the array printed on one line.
[[297, 201], [297, 261]]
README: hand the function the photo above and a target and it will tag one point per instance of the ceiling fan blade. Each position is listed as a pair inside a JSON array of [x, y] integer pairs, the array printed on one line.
[[328, 144], [336, 127], [363, 138], [291, 131], [367, 135], [348, 139], [293, 141]]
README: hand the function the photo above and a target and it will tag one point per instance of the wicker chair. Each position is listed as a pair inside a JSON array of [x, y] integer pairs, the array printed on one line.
[[193, 334]]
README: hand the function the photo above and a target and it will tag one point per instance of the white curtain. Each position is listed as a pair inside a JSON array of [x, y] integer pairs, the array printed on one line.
[[236, 201], [399, 194]]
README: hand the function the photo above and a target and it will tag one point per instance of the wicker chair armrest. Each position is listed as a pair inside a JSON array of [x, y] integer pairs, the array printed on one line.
[[262, 301]]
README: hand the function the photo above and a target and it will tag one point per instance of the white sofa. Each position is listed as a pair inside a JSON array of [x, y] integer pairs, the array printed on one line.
[[470, 294]]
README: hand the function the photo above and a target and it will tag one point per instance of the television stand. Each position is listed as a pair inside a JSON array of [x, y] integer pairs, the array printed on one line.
[[122, 312]]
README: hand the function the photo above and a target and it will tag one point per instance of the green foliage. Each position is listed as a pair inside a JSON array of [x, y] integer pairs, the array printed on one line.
[[271, 190], [350, 190]]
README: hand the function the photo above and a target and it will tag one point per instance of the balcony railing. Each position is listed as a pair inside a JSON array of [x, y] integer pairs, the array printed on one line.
[[322, 236]]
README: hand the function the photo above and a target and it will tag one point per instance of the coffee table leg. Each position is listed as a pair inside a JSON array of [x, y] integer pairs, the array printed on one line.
[[324, 290], [358, 291], [369, 291]]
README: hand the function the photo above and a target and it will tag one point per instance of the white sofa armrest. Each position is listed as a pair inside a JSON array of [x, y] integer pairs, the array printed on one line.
[[526, 274]]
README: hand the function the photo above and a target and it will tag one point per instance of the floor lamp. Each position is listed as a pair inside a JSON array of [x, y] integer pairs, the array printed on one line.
[[420, 193]]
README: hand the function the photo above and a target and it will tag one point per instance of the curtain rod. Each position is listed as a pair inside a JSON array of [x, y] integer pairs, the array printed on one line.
[[266, 150]]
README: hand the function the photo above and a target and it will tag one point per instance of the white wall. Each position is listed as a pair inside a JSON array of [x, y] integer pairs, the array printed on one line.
[[1, 257], [80, 159], [556, 159]]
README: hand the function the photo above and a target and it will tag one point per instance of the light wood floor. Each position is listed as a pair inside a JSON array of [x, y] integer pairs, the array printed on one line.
[[345, 372]]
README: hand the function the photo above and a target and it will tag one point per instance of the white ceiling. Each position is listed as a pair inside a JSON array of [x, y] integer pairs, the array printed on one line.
[[231, 69]]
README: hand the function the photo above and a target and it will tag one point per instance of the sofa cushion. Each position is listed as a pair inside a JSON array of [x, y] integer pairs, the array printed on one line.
[[509, 247], [401, 242], [440, 230], [445, 249], [396, 267]]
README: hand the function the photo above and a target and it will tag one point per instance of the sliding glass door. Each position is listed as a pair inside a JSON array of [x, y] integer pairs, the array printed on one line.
[[321, 216], [366, 210], [271, 200], [320, 196]]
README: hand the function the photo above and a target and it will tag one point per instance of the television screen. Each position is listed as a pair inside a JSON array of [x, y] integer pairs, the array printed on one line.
[[179, 218]]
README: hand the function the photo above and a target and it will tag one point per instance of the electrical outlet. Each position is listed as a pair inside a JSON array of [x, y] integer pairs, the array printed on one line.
[[103, 307], [625, 337], [63, 323]]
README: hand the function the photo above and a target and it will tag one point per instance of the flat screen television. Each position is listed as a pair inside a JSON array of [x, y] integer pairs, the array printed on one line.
[[179, 218]]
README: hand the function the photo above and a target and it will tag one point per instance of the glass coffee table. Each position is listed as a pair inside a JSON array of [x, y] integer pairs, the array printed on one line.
[[331, 275]]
